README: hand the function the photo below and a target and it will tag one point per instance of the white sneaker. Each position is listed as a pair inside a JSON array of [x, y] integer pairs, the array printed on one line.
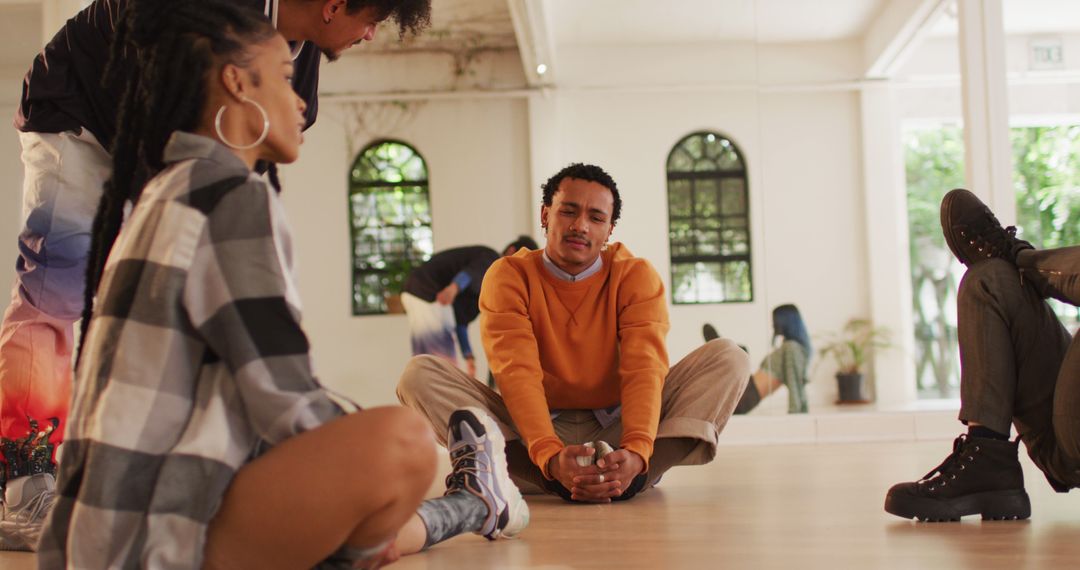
[[27, 502], [478, 456]]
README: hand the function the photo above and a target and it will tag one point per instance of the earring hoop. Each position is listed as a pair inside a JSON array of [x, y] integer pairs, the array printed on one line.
[[258, 141]]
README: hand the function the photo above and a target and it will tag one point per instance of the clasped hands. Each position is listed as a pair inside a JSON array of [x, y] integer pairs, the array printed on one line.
[[597, 483]]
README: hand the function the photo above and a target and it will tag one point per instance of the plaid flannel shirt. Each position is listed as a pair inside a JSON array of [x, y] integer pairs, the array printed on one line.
[[195, 356]]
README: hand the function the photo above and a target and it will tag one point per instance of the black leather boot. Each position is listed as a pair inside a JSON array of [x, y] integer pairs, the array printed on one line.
[[972, 231], [980, 477]]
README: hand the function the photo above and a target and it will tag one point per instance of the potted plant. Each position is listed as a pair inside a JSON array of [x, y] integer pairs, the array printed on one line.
[[393, 280], [851, 348]]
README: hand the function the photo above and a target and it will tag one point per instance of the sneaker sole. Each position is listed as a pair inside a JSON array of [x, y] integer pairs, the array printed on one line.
[[517, 510], [10, 544], [993, 505]]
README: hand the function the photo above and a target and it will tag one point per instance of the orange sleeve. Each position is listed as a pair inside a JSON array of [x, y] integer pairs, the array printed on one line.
[[514, 358], [643, 359]]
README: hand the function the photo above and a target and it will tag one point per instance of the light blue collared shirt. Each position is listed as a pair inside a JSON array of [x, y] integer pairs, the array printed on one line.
[[564, 276]]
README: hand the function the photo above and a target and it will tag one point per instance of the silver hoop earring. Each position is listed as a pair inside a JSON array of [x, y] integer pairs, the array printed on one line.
[[258, 141]]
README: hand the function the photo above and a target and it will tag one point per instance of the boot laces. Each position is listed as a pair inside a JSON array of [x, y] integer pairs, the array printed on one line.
[[987, 234], [957, 461]]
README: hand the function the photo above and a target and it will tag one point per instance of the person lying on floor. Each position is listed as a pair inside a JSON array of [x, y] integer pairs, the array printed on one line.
[[786, 365]]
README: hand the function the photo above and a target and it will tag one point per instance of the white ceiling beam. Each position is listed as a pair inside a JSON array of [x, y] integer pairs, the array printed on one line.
[[895, 34], [534, 40]]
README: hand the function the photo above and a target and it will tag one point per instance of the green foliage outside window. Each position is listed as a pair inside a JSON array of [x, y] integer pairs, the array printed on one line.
[[1046, 175], [389, 221]]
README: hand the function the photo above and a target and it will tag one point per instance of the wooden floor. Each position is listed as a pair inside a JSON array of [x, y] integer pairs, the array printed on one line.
[[762, 507]]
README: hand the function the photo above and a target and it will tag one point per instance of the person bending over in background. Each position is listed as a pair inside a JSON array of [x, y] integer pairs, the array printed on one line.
[[441, 297]]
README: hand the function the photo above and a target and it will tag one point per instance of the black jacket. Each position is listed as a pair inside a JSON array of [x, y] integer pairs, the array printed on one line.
[[439, 271], [63, 90]]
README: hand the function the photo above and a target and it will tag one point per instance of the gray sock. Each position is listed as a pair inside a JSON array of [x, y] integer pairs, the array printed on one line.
[[449, 516]]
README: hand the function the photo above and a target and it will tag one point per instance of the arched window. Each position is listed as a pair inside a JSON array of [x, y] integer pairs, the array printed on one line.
[[389, 221], [708, 221]]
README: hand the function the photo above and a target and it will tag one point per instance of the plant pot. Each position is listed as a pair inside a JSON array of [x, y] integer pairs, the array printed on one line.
[[393, 305], [851, 388]]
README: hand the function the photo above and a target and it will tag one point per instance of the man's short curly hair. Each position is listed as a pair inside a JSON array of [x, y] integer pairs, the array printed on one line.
[[588, 173], [411, 16]]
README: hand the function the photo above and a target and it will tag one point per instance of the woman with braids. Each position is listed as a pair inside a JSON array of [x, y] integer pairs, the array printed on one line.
[[198, 437], [66, 120]]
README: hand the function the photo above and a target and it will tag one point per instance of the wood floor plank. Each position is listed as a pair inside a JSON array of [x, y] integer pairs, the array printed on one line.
[[766, 507], [770, 507]]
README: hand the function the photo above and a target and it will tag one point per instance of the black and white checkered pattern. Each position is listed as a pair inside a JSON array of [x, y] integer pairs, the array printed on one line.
[[194, 356]]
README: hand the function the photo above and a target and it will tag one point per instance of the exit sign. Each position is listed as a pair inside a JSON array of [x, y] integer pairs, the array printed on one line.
[[1046, 53]]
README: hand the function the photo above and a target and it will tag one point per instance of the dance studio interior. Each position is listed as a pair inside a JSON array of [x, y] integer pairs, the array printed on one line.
[[768, 153]]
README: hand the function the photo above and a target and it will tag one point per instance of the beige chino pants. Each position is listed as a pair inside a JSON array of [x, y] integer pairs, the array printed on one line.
[[699, 395]]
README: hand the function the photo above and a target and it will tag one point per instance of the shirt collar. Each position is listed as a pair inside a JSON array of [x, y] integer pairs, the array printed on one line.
[[183, 145], [564, 276]]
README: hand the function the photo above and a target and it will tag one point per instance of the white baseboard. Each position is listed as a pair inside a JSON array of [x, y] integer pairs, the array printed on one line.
[[842, 427]]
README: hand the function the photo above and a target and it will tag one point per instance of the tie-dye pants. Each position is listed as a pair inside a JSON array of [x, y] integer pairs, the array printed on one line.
[[431, 327], [63, 177]]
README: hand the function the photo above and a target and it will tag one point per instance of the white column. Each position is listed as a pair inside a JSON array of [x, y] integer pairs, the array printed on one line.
[[988, 154], [887, 246], [545, 157]]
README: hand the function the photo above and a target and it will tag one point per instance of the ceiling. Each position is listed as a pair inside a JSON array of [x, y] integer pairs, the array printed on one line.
[[455, 25], [466, 27], [1023, 17], [459, 25], [695, 21]]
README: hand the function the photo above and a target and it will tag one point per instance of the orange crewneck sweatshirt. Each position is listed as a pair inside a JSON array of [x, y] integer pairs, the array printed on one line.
[[590, 344]]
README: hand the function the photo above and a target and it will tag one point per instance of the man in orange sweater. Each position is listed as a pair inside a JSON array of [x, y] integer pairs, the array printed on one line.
[[575, 336]]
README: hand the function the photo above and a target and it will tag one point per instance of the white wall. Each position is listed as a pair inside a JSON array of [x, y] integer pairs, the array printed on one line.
[[10, 204], [802, 149], [930, 83], [21, 29], [805, 204], [425, 71], [805, 200], [476, 153]]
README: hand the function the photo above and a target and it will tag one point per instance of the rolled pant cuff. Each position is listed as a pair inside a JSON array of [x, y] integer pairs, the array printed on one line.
[[692, 428]]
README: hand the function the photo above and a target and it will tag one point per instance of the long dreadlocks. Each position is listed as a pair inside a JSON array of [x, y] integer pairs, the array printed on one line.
[[163, 52]]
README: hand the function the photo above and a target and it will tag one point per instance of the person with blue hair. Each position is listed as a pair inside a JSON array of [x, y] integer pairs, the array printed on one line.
[[786, 365]]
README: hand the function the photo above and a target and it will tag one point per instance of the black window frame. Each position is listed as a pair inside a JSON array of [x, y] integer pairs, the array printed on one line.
[[396, 268], [719, 218]]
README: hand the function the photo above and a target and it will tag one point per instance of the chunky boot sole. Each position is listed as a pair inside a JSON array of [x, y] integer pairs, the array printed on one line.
[[992, 505]]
